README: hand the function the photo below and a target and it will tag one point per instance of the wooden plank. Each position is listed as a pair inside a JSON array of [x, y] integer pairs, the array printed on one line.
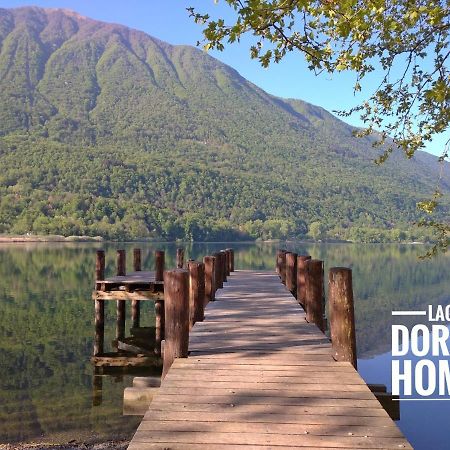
[[253, 415], [300, 408], [305, 440], [129, 296], [265, 361], [153, 422], [255, 377], [125, 361]]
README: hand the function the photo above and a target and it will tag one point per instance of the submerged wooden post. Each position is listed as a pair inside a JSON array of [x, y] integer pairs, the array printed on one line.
[[301, 287], [231, 262], [291, 272], [176, 306], [99, 337], [97, 387], [196, 292], [314, 293], [120, 304], [159, 305], [342, 315], [136, 304], [209, 262], [180, 258]]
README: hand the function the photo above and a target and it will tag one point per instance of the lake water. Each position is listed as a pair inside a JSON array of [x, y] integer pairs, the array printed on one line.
[[46, 332]]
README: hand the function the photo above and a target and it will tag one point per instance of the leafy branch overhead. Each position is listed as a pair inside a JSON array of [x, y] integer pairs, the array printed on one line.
[[406, 40], [403, 42]]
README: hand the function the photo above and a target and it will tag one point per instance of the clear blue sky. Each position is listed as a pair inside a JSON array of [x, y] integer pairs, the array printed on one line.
[[168, 20]]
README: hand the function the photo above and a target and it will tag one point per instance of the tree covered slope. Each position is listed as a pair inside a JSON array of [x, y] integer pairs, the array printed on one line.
[[107, 131]]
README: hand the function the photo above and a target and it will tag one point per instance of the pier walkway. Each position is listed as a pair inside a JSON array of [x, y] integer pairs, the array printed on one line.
[[258, 376]]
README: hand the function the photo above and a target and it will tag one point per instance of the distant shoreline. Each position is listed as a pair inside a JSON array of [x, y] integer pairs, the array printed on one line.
[[20, 239], [49, 238]]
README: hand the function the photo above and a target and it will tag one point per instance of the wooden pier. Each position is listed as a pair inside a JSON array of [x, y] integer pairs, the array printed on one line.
[[258, 375]]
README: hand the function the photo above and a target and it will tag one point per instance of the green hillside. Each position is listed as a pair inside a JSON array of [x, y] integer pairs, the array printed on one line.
[[107, 131]]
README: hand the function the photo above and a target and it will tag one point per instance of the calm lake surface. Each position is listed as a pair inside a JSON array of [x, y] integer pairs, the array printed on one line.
[[46, 331]]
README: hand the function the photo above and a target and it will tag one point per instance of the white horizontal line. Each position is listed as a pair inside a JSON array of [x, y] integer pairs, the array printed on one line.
[[409, 313], [421, 399]]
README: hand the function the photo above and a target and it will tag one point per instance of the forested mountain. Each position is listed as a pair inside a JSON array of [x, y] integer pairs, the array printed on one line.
[[107, 131]]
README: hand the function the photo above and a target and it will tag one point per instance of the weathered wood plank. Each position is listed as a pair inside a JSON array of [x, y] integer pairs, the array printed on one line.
[[155, 423], [254, 415], [305, 440]]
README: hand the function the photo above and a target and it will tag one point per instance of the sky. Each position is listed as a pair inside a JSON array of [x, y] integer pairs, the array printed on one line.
[[169, 21]]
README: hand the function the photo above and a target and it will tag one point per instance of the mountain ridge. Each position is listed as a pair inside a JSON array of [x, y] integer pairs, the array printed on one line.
[[172, 119]]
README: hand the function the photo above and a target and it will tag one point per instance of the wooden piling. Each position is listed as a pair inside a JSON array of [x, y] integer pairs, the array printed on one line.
[[121, 263], [120, 320], [159, 265], [218, 271], [283, 266], [231, 262], [120, 304], [210, 290], [100, 265], [301, 287], [291, 272], [180, 258], [278, 262], [99, 327], [224, 268], [196, 292], [135, 304], [176, 305], [342, 315], [159, 305], [99, 337], [159, 326], [227, 262], [314, 293], [137, 259]]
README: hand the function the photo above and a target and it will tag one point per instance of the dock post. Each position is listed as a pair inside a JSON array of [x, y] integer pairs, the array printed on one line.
[[210, 271], [176, 305], [159, 265], [227, 261], [218, 271], [223, 254], [180, 258], [291, 272], [100, 265], [231, 266], [99, 306], [342, 315], [301, 287], [159, 305], [120, 304], [137, 259], [314, 293], [283, 266], [136, 304], [196, 292]]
